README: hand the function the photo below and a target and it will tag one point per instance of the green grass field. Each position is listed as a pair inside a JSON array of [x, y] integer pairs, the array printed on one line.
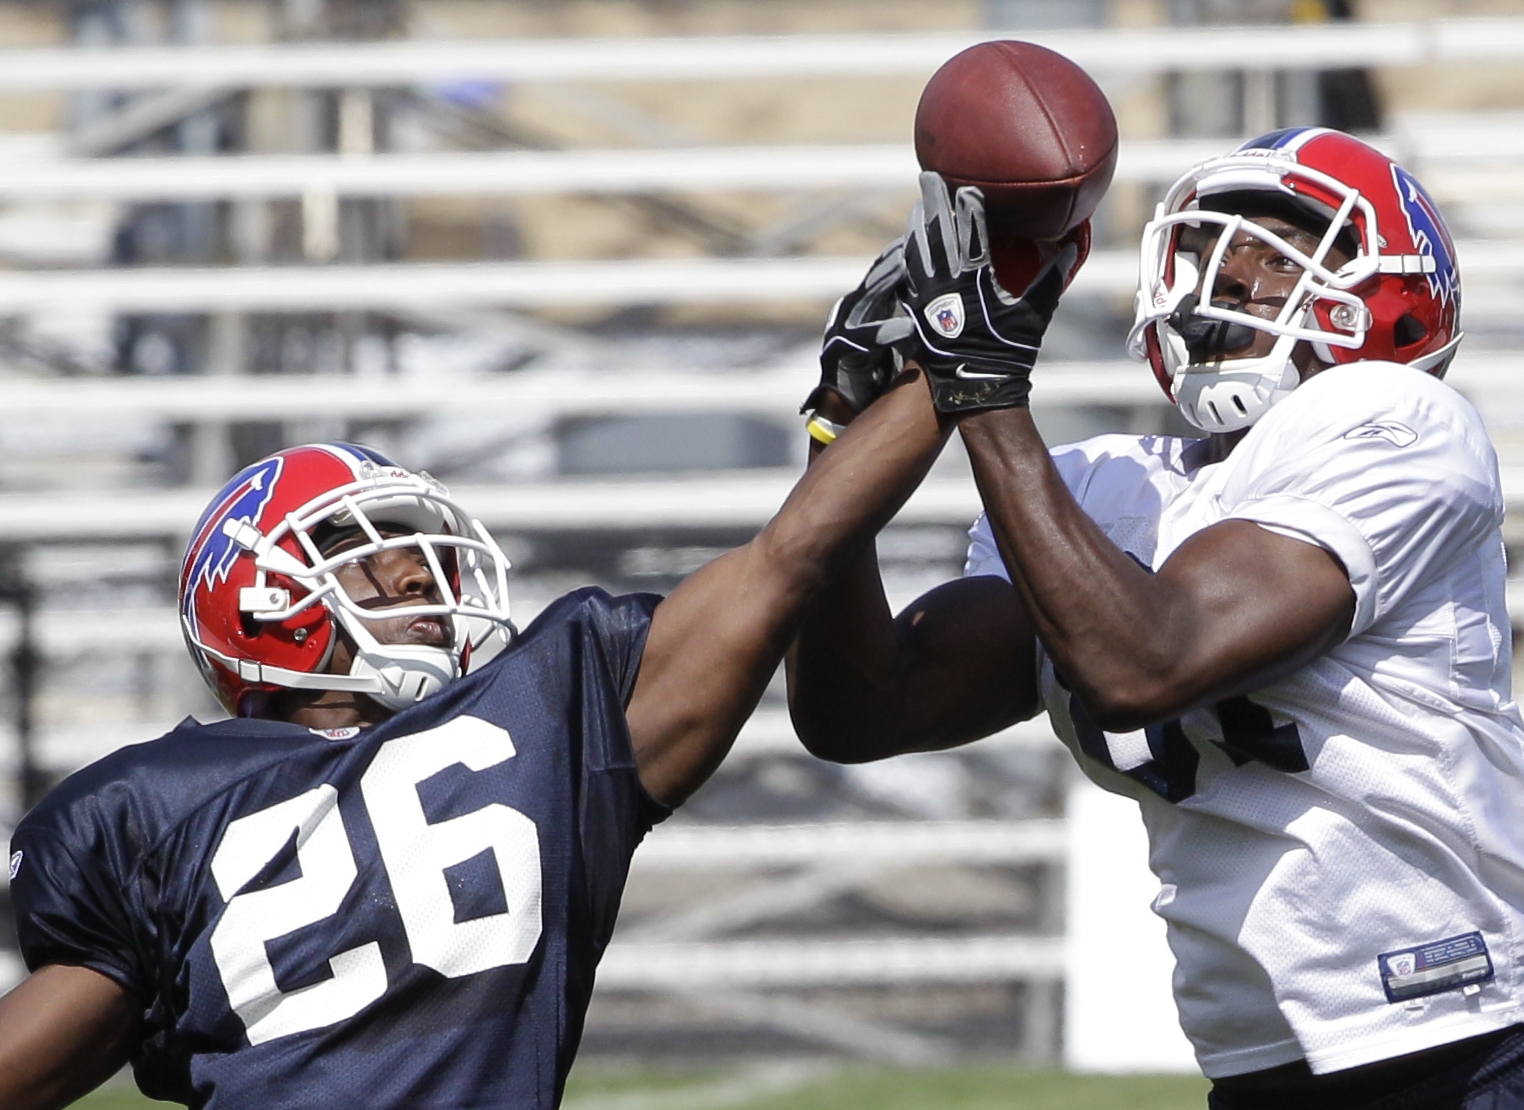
[[982, 1087]]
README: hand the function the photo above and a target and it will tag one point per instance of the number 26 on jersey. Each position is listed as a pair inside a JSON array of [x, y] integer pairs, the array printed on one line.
[[415, 855]]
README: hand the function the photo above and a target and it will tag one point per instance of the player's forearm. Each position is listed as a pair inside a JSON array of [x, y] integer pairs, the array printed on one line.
[[849, 656], [716, 641], [843, 666], [1114, 631], [956, 665], [853, 489]]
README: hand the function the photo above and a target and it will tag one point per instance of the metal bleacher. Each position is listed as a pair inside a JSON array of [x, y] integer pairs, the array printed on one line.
[[790, 897]]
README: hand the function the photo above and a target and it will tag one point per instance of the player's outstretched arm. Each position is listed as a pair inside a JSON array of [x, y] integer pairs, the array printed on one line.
[[63, 1032], [958, 664], [1233, 609], [717, 639]]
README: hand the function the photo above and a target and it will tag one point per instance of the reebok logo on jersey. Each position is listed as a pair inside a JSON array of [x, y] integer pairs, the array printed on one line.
[[15, 865], [1399, 435], [946, 315]]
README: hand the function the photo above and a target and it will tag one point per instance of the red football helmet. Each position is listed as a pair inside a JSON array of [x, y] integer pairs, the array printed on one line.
[[260, 604], [1397, 299]]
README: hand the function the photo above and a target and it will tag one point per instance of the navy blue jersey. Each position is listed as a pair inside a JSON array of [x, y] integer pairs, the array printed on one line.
[[407, 915]]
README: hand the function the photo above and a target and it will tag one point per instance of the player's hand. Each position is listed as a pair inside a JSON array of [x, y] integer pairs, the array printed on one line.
[[857, 361], [975, 340]]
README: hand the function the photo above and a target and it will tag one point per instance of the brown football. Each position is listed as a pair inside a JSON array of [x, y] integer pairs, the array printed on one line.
[[1027, 126]]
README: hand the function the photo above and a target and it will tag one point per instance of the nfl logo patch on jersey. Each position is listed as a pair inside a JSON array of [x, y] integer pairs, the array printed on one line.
[[1431, 968]]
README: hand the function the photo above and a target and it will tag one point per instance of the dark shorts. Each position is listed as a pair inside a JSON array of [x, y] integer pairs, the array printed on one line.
[[1487, 1074]]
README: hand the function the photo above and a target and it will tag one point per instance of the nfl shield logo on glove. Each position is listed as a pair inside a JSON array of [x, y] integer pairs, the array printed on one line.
[[946, 315]]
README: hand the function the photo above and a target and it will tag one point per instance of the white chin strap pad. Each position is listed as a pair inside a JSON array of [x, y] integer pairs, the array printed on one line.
[[1224, 399], [1230, 395], [405, 673]]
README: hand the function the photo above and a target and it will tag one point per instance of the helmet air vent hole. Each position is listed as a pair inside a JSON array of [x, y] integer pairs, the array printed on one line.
[[1408, 331], [1238, 403], [1212, 408]]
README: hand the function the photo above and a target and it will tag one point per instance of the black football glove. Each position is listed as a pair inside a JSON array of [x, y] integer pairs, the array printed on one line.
[[856, 359], [976, 342]]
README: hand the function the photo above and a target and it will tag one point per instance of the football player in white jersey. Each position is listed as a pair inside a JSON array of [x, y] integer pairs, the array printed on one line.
[[1287, 639]]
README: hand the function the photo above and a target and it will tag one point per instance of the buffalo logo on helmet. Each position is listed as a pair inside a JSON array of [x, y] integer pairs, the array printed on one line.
[[1428, 234], [243, 500]]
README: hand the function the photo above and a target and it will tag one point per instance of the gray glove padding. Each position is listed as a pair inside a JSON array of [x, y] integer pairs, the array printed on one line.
[[857, 360], [976, 342]]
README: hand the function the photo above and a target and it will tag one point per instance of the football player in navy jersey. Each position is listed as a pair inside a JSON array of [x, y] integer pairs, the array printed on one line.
[[387, 880]]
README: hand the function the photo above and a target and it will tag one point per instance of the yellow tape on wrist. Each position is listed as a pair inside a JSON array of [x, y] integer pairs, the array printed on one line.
[[824, 431]]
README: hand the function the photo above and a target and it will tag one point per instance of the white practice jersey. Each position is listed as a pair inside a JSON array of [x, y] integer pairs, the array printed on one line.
[[1341, 854]]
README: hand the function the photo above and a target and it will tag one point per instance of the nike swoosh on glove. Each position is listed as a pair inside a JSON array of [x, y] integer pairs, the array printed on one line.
[[857, 360], [976, 342]]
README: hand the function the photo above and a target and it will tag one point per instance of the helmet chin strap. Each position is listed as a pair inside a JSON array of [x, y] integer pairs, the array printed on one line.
[[1231, 394], [406, 673], [400, 674]]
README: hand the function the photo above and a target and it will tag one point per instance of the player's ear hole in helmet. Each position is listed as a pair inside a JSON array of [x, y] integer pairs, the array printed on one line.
[[262, 596]]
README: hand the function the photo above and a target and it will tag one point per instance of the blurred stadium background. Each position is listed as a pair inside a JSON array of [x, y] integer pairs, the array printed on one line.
[[572, 257]]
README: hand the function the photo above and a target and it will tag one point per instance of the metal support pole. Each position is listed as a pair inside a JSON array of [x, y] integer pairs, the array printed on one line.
[[1042, 1022], [25, 668]]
